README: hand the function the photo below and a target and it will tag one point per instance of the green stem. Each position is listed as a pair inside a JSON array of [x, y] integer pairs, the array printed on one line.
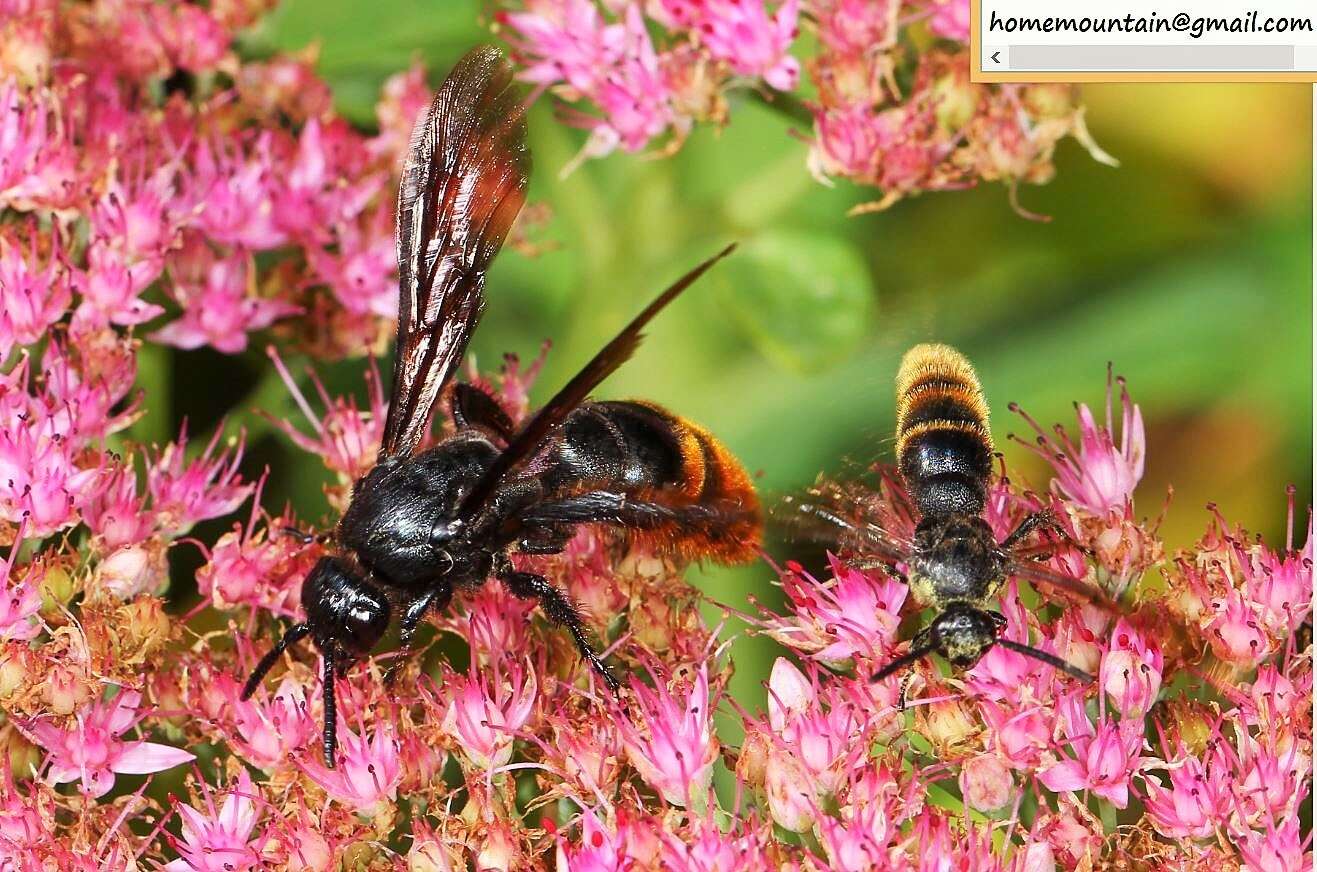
[[787, 105]]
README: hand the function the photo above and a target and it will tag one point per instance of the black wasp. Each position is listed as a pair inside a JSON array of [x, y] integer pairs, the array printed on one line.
[[422, 525], [954, 562]]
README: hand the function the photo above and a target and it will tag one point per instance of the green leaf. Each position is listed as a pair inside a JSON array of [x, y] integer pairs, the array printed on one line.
[[804, 299]]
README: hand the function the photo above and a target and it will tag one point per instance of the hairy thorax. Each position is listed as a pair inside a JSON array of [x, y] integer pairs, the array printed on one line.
[[956, 560], [395, 508]]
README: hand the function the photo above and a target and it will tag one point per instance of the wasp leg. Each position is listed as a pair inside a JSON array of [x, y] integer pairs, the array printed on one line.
[[607, 507], [546, 540], [905, 686], [559, 610], [438, 598], [886, 566], [1031, 522], [1047, 521], [304, 537]]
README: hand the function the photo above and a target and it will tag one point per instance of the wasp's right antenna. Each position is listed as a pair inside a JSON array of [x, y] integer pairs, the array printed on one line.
[[329, 738], [1043, 656], [295, 634]]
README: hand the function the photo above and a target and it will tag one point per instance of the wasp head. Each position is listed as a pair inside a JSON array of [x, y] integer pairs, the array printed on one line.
[[963, 634], [346, 615]]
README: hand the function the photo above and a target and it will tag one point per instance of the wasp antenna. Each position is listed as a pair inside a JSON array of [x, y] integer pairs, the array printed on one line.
[[331, 715], [903, 661], [1050, 659], [295, 634]]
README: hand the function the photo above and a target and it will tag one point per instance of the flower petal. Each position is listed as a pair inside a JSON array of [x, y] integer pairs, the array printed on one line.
[[147, 757], [1066, 775]]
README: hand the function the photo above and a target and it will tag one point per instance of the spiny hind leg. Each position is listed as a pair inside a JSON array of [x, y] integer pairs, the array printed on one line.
[[1032, 521], [1045, 520], [547, 539], [559, 610]]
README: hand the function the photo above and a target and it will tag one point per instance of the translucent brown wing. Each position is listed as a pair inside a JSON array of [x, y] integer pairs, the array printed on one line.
[[834, 515], [462, 186], [533, 436], [1041, 576]]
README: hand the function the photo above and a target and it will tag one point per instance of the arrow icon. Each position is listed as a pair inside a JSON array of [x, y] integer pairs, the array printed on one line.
[[995, 57]]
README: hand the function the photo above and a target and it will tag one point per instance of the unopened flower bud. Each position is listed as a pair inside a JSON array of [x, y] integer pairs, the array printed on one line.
[[956, 99], [65, 689], [430, 855], [23, 756], [132, 570], [947, 723], [145, 625], [499, 851], [14, 672], [985, 782], [57, 589], [1188, 723]]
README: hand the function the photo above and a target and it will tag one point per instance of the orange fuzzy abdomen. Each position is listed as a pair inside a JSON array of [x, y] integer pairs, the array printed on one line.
[[654, 456], [943, 444]]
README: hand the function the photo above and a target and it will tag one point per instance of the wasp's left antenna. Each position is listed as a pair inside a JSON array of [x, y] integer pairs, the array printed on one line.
[[903, 661]]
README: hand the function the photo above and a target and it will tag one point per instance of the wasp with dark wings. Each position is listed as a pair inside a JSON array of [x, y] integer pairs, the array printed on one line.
[[954, 564], [423, 525]]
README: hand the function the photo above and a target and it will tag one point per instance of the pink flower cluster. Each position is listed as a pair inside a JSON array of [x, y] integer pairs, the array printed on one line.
[[1200, 756], [637, 73], [606, 57], [160, 201]]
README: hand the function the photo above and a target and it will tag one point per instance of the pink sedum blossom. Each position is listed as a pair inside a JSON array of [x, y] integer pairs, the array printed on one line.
[[33, 294], [268, 728], [742, 33], [111, 289], [1192, 805], [1131, 672], [669, 737], [221, 311], [488, 707], [345, 436], [1106, 755], [231, 207], [950, 19], [366, 772], [851, 616], [91, 751], [220, 840], [1096, 475], [184, 492]]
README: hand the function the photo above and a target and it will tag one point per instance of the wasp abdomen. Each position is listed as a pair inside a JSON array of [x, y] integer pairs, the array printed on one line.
[[652, 455], [943, 442]]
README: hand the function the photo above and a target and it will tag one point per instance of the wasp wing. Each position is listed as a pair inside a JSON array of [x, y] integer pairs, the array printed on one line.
[[835, 515], [1041, 576], [532, 437], [462, 186]]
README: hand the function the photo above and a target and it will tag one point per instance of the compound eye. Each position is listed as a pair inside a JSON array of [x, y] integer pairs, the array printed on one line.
[[446, 531]]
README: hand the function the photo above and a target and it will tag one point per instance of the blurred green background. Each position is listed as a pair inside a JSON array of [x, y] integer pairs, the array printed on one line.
[[1189, 267]]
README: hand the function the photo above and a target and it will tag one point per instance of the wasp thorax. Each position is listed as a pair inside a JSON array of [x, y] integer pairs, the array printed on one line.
[[446, 531], [957, 559]]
